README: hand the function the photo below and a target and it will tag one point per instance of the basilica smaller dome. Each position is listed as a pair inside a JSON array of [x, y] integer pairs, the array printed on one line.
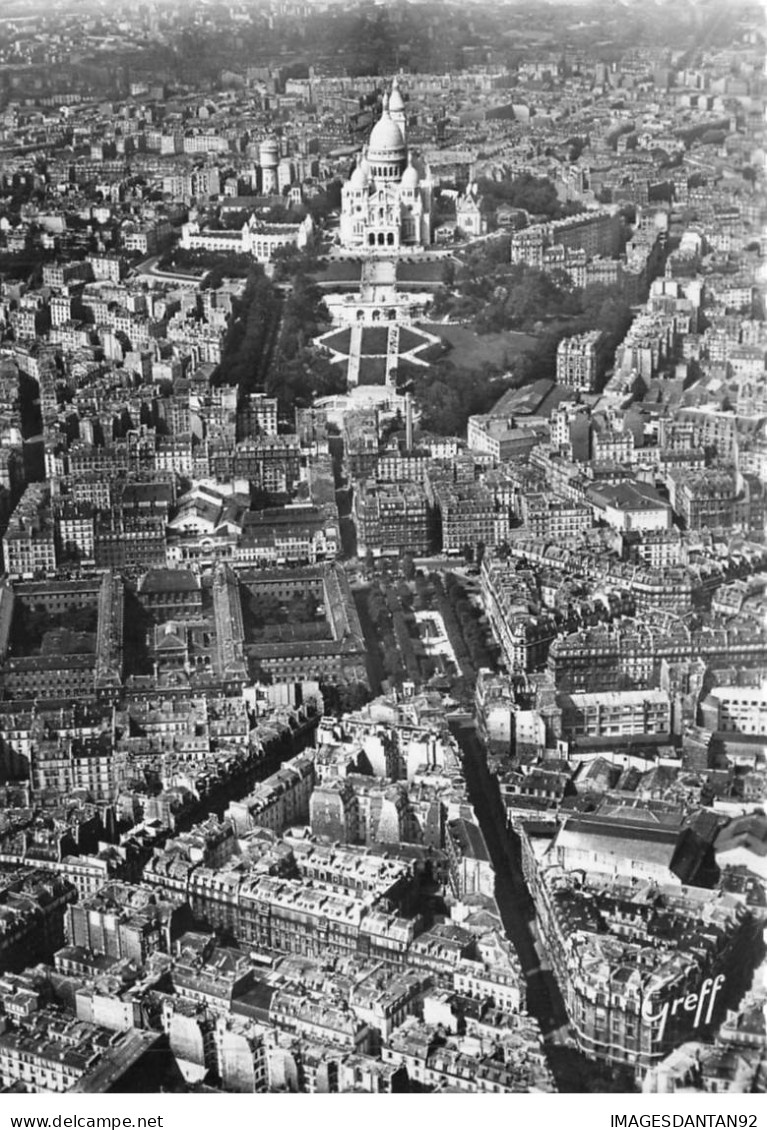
[[396, 103], [410, 178], [361, 174]]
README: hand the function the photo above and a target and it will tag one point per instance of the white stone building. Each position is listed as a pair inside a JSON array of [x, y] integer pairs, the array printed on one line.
[[386, 203]]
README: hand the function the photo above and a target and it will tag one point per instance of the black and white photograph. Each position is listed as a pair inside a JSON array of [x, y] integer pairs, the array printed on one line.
[[383, 588]]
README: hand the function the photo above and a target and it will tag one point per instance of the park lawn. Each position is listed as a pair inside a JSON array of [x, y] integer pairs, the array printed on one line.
[[339, 271], [374, 340], [409, 339], [372, 371], [478, 351], [339, 341], [421, 272]]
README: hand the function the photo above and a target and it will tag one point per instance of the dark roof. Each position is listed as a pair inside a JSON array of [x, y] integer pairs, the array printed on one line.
[[749, 832], [537, 399], [628, 496], [245, 203], [255, 1002], [134, 493], [169, 580], [739, 880], [621, 829], [305, 519]]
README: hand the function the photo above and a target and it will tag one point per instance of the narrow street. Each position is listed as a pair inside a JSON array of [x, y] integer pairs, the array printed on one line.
[[572, 1070], [514, 902]]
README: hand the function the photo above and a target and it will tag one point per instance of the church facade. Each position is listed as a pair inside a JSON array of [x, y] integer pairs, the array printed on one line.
[[386, 204]]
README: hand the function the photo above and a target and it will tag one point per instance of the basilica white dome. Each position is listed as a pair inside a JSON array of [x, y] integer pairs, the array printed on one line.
[[386, 141]]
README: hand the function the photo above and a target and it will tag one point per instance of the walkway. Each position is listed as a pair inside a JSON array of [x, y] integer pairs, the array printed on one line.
[[378, 280], [392, 353], [355, 345]]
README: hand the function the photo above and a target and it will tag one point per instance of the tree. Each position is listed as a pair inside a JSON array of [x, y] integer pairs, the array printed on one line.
[[321, 205], [297, 380], [408, 566], [533, 194], [253, 325], [343, 698], [289, 261], [391, 659]]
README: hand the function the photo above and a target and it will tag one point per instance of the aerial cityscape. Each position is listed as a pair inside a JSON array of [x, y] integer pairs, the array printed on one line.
[[383, 513]]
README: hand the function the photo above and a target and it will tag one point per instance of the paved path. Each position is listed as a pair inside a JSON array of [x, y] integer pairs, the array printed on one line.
[[355, 345], [392, 352]]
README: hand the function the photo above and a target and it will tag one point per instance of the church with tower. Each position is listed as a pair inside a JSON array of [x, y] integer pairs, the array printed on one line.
[[386, 204]]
